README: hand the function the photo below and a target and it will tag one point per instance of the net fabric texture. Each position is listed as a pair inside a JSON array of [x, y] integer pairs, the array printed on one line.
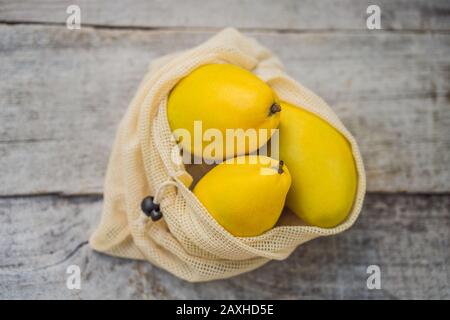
[[188, 242]]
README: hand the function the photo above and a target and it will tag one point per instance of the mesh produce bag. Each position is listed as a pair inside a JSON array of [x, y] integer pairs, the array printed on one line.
[[188, 242]]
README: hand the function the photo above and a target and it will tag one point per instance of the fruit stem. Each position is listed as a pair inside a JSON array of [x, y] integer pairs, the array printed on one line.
[[274, 108], [280, 167]]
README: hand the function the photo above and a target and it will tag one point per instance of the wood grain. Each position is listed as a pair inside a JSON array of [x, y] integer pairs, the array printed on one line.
[[249, 14], [406, 236], [63, 93]]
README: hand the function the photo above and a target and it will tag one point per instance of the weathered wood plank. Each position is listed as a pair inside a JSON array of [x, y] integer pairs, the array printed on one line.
[[253, 14], [406, 236], [63, 93]]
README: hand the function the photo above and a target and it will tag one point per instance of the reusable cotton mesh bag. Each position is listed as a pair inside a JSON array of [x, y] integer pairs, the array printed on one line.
[[188, 242]]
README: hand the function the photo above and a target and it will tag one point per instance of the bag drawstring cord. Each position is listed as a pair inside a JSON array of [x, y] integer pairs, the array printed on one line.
[[150, 205], [161, 188]]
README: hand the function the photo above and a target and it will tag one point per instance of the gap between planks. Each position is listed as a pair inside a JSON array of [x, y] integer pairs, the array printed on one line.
[[99, 196], [192, 29]]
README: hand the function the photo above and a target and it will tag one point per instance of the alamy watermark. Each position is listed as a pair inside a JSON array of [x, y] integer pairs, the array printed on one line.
[[374, 280], [73, 21], [213, 146], [373, 21], [73, 281]]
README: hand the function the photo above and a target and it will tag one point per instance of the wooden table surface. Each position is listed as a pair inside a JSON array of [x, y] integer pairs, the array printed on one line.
[[63, 92]]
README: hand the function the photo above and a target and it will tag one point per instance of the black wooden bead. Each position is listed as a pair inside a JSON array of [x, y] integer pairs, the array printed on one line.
[[155, 215], [147, 205]]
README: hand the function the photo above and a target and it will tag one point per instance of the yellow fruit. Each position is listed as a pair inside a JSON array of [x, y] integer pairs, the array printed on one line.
[[245, 198], [222, 96], [321, 163]]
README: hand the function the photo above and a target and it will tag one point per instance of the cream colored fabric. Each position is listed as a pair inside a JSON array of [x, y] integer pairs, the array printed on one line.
[[188, 242]]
